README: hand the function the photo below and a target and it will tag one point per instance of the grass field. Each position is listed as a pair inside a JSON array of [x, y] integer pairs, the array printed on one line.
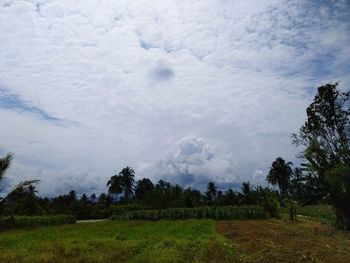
[[263, 240], [133, 241]]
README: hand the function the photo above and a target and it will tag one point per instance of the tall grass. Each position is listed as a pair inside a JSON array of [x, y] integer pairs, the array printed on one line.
[[7, 222], [218, 213]]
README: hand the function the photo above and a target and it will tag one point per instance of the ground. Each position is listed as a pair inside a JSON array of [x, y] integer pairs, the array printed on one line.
[[285, 241], [267, 240]]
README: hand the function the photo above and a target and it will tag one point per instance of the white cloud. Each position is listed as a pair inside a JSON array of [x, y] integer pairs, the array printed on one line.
[[132, 77], [192, 162]]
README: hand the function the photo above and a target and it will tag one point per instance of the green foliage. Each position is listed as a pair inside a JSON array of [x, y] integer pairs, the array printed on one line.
[[324, 213], [339, 180], [22, 200], [269, 200], [326, 138], [7, 222], [218, 213], [5, 163]]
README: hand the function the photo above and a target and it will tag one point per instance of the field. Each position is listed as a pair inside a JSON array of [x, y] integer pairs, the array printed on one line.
[[262, 240], [286, 241], [118, 241]]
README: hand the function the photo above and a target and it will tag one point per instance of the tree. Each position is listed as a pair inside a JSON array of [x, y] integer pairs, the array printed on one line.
[[325, 137], [22, 200], [143, 189], [5, 163], [128, 175], [230, 197], [280, 174], [270, 200], [115, 185], [161, 195], [123, 183], [211, 193], [338, 179], [191, 197], [247, 196]]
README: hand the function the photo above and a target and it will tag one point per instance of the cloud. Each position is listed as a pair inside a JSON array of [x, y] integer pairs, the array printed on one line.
[[162, 72], [129, 78], [12, 101], [192, 162]]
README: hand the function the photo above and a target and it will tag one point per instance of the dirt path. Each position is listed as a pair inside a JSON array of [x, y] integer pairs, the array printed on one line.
[[92, 220], [284, 241]]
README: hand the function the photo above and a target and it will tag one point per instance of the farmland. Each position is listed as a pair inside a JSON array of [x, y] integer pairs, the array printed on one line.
[[262, 240], [118, 241]]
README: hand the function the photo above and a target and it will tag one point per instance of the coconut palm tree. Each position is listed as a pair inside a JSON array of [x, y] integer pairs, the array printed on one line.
[[280, 174], [211, 193], [128, 175], [247, 195], [5, 163], [123, 183], [143, 189]]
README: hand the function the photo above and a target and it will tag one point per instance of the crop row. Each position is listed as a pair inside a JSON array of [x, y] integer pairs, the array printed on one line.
[[218, 213]]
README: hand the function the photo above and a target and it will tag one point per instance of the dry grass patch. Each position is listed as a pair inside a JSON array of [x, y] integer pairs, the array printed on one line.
[[285, 241]]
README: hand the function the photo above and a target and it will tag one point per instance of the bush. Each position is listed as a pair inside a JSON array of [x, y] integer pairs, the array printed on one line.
[[7, 222], [218, 213]]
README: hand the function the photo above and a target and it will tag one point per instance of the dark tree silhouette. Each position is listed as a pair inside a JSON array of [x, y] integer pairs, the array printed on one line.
[[280, 174], [211, 193], [5, 163], [123, 183], [143, 189]]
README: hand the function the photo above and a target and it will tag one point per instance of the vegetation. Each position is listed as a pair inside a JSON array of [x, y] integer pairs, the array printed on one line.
[[264, 240], [7, 222], [4, 165], [323, 213], [325, 137], [280, 174], [118, 241], [219, 213]]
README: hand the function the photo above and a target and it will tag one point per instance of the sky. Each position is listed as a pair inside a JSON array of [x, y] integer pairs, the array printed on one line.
[[185, 91]]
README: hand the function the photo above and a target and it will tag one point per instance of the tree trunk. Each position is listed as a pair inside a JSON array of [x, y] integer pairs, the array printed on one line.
[[343, 218]]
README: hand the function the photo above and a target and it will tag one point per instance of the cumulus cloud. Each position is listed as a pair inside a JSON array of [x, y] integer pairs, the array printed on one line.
[[129, 78], [193, 162]]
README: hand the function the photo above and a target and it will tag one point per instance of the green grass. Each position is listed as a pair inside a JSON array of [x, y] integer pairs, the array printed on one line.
[[118, 241], [322, 212]]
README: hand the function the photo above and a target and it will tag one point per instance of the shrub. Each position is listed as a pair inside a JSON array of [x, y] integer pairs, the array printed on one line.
[[7, 222]]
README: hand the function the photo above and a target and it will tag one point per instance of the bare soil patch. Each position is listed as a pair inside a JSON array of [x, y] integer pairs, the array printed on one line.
[[285, 241]]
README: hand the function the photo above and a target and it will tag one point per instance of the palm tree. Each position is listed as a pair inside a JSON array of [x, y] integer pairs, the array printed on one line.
[[123, 183], [211, 192], [280, 174], [128, 175], [247, 195], [115, 185], [5, 163], [143, 189]]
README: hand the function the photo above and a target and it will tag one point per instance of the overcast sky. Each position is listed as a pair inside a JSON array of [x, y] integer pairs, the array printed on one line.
[[187, 91]]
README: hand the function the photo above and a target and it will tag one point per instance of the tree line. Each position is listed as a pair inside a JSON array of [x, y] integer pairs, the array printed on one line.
[[322, 177]]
